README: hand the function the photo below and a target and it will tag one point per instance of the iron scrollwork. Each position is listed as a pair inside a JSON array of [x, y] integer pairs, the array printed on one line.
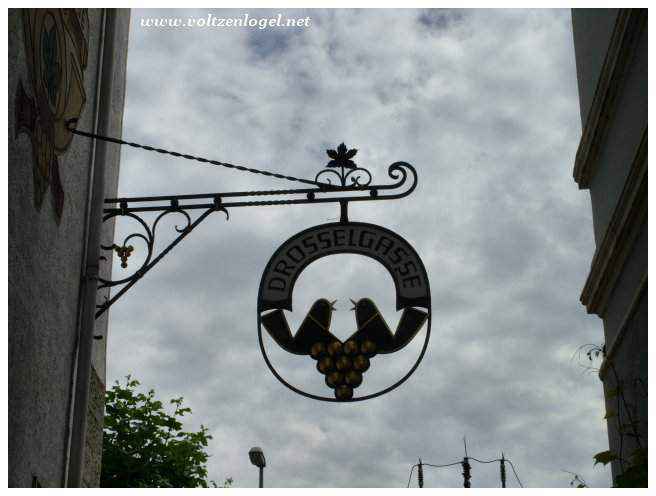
[[353, 184], [350, 174], [124, 250]]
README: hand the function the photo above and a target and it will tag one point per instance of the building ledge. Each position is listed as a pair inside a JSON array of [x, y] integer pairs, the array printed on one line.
[[623, 42], [624, 227]]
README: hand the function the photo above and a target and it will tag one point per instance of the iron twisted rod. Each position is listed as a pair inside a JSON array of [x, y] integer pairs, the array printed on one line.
[[71, 127]]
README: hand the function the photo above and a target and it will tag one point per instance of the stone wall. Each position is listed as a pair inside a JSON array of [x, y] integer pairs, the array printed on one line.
[[54, 59], [94, 439]]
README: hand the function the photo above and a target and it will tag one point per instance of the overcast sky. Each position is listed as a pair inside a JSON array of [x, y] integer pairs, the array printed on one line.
[[484, 104]]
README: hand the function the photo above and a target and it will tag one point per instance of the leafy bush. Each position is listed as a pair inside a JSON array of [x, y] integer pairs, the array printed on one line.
[[143, 446]]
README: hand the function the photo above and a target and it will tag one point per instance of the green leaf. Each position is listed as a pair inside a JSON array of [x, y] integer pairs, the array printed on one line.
[[604, 457], [610, 414], [144, 446]]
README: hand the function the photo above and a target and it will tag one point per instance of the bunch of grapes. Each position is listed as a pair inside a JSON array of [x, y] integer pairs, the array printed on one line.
[[124, 253], [343, 364]]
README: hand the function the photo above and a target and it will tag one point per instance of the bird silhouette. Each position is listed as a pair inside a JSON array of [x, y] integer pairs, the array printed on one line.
[[373, 328], [343, 363], [314, 329]]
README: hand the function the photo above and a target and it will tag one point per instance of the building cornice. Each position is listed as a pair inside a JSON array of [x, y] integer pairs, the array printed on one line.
[[629, 215], [621, 47]]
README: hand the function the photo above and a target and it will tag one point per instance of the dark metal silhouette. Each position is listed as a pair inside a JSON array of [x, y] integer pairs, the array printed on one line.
[[352, 187], [313, 334], [373, 328], [350, 173], [343, 363]]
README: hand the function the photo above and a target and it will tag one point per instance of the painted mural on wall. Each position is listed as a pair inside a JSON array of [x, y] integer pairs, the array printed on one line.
[[56, 49]]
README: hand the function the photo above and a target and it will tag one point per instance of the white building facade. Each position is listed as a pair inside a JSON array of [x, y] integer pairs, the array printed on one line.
[[611, 162]]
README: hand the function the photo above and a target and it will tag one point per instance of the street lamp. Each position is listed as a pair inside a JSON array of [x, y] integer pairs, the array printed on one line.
[[257, 458]]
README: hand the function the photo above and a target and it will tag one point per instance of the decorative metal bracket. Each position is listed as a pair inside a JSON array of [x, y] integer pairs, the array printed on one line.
[[353, 184]]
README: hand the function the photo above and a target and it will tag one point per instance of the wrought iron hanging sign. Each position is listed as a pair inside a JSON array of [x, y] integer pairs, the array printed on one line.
[[343, 363]]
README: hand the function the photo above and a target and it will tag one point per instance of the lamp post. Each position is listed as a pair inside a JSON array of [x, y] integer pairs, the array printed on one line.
[[257, 458]]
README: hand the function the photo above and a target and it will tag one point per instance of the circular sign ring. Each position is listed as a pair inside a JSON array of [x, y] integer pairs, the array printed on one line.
[[381, 244]]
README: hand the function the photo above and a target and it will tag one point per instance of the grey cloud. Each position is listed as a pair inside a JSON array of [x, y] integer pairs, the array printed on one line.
[[437, 19], [505, 235]]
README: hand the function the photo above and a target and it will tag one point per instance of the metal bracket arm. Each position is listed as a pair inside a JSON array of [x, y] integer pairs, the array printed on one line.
[[354, 184], [326, 193]]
